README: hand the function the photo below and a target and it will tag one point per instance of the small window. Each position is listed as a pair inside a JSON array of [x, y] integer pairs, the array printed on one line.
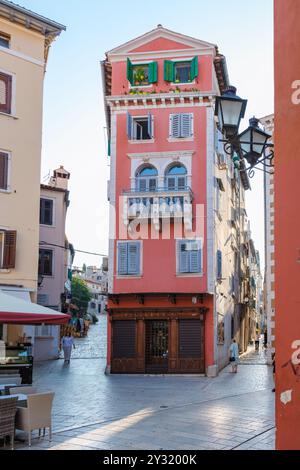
[[146, 179], [129, 258], [46, 211], [190, 256], [141, 74], [181, 72], [3, 170], [5, 93], [46, 262], [8, 243], [140, 127], [4, 40], [176, 179], [181, 125]]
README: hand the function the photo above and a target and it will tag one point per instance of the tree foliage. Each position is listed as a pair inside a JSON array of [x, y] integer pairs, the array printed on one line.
[[80, 294]]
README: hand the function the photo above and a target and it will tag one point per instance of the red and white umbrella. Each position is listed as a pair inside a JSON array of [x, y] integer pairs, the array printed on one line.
[[19, 312]]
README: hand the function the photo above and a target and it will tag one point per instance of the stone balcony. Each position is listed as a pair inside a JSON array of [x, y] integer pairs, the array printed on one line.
[[157, 205]]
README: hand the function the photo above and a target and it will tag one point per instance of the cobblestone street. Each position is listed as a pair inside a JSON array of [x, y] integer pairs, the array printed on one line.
[[97, 411]]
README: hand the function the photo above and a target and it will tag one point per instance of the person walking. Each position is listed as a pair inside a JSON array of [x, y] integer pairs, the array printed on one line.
[[234, 356], [67, 343]]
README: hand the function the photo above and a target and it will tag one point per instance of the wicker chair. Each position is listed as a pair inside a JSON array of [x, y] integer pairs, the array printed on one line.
[[8, 409]]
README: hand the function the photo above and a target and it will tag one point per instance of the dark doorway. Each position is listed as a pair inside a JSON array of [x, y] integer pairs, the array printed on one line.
[[157, 344]]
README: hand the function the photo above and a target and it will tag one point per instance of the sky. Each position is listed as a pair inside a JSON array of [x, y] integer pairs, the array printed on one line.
[[74, 120]]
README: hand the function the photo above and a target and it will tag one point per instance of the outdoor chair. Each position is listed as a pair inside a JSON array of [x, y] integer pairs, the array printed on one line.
[[37, 414], [8, 409], [28, 390]]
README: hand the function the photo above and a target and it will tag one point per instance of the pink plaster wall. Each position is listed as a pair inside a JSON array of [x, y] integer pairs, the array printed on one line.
[[159, 256], [203, 82], [161, 44]]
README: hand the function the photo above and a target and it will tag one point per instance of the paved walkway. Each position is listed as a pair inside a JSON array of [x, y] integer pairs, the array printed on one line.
[[95, 411]]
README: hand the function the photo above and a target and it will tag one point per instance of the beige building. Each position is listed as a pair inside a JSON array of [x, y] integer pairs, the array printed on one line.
[[25, 39], [269, 282]]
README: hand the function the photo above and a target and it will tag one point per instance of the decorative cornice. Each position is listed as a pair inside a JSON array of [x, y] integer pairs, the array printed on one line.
[[174, 154]]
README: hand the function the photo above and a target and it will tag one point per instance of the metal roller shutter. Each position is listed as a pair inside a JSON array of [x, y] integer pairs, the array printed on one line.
[[124, 339], [190, 339]]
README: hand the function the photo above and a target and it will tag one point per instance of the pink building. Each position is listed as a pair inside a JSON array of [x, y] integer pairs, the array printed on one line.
[[55, 253], [165, 257]]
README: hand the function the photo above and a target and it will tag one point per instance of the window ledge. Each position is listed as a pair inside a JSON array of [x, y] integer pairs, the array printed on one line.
[[183, 83], [180, 139], [5, 271], [132, 87], [128, 276], [13, 116], [145, 141], [189, 274], [6, 191]]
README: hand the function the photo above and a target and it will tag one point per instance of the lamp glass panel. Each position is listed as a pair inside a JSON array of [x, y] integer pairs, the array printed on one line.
[[259, 141], [231, 112], [246, 137]]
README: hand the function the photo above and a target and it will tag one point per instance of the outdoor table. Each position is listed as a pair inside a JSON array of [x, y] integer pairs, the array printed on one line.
[[3, 386], [22, 399]]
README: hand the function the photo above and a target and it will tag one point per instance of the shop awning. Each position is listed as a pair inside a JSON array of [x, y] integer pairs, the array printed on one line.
[[16, 311]]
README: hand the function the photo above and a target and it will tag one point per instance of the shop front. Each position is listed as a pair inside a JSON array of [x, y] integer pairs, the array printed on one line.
[[158, 340]]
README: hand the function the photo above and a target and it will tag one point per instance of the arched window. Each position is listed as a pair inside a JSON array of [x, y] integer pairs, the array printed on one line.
[[146, 178], [176, 179]]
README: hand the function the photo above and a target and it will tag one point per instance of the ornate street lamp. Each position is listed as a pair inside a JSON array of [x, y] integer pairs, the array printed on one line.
[[253, 142], [230, 109]]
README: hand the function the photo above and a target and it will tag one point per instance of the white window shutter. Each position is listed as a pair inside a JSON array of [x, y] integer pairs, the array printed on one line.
[[186, 125], [175, 125]]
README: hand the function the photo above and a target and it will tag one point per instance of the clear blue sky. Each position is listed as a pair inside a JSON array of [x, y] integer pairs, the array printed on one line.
[[73, 107]]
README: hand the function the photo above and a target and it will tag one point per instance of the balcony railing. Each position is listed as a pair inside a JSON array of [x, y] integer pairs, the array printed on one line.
[[158, 204]]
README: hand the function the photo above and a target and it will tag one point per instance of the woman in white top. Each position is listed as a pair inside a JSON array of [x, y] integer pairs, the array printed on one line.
[[67, 343], [234, 356]]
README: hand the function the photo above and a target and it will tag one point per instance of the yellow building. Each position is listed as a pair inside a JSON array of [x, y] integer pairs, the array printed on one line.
[[25, 39]]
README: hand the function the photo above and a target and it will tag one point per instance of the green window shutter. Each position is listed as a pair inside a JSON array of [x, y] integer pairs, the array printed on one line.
[[129, 71], [194, 68], [169, 71], [109, 148], [153, 72]]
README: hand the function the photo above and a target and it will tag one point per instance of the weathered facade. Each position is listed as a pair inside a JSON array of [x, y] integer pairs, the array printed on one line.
[[177, 209], [25, 41]]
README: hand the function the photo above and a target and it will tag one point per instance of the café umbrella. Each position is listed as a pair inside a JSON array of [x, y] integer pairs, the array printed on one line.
[[15, 311]]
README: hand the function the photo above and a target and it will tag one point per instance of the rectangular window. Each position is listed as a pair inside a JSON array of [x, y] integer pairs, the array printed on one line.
[[129, 258], [181, 125], [181, 71], [8, 241], [190, 256], [46, 211], [5, 93], [141, 74], [46, 262], [4, 40], [139, 127], [3, 170]]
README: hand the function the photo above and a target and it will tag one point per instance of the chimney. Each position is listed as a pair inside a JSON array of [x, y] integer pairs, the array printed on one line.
[[60, 178]]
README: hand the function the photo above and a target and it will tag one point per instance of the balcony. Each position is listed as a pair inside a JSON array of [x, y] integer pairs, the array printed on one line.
[[158, 204]]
